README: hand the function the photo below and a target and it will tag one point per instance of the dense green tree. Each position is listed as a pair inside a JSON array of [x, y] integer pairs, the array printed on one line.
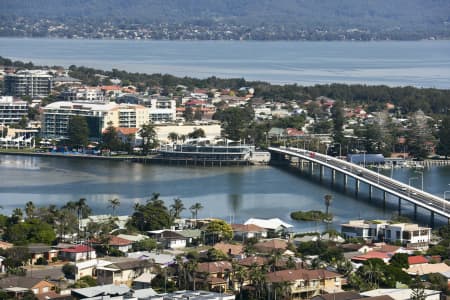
[[196, 133], [400, 260], [235, 120], [149, 138], [30, 231], [337, 114], [145, 245], [78, 131], [218, 230], [153, 215], [188, 114], [110, 138], [69, 270]]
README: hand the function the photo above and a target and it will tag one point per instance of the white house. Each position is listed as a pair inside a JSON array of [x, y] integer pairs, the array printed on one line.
[[273, 225]]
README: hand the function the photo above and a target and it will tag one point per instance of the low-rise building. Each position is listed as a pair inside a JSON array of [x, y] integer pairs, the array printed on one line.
[[304, 284], [274, 225], [77, 253], [21, 284], [123, 272], [243, 232], [12, 110]]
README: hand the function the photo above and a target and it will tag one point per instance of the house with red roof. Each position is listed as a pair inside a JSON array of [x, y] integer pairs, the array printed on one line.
[[385, 256], [120, 244], [243, 232], [78, 252], [417, 260]]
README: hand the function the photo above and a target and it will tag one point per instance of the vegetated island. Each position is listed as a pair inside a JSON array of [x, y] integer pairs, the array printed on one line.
[[311, 215]]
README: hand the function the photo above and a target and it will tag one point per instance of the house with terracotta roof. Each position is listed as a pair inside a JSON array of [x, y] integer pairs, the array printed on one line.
[[215, 274], [304, 284], [270, 246], [243, 232], [372, 254], [232, 250], [417, 260], [77, 253], [425, 269], [120, 244]]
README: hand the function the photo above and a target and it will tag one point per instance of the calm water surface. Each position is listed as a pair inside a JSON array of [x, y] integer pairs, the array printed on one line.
[[419, 63], [239, 192]]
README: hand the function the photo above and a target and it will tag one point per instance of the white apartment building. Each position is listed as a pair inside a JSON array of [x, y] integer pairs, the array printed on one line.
[[408, 234], [162, 110], [12, 110], [90, 94], [56, 117], [33, 83]]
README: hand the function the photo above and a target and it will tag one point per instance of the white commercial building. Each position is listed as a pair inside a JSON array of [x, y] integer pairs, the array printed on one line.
[[12, 110], [162, 110], [56, 117]]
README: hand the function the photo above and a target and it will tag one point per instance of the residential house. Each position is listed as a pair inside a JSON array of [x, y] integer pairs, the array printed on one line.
[[123, 272], [160, 259], [274, 225], [120, 244], [243, 232], [215, 274], [306, 283], [77, 253], [22, 284], [417, 260], [232, 250], [367, 230], [385, 256], [197, 295], [425, 269], [338, 296], [402, 294], [89, 267], [193, 236], [270, 246], [143, 282], [101, 290], [41, 251], [169, 239], [411, 235]]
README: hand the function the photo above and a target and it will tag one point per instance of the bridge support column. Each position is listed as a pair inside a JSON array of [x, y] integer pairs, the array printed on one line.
[[333, 176], [356, 187], [345, 181], [370, 192], [399, 206], [432, 219], [415, 211], [384, 199], [311, 168]]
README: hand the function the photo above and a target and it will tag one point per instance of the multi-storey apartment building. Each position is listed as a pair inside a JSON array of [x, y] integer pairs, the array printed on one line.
[[12, 110], [162, 110], [407, 234], [56, 117], [33, 83]]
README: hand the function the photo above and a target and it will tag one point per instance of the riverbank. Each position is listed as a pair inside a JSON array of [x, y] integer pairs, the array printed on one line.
[[66, 155]]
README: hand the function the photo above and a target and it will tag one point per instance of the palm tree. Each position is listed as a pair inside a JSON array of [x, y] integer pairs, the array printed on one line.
[[177, 207], [173, 136], [29, 209], [328, 200], [83, 210], [240, 275], [195, 208], [17, 214], [114, 203]]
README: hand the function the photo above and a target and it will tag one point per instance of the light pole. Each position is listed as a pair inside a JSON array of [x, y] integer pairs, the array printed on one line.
[[364, 157], [409, 183], [340, 149], [421, 174], [445, 199]]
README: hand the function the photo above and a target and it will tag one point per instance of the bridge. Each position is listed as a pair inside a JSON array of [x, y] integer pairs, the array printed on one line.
[[404, 192]]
